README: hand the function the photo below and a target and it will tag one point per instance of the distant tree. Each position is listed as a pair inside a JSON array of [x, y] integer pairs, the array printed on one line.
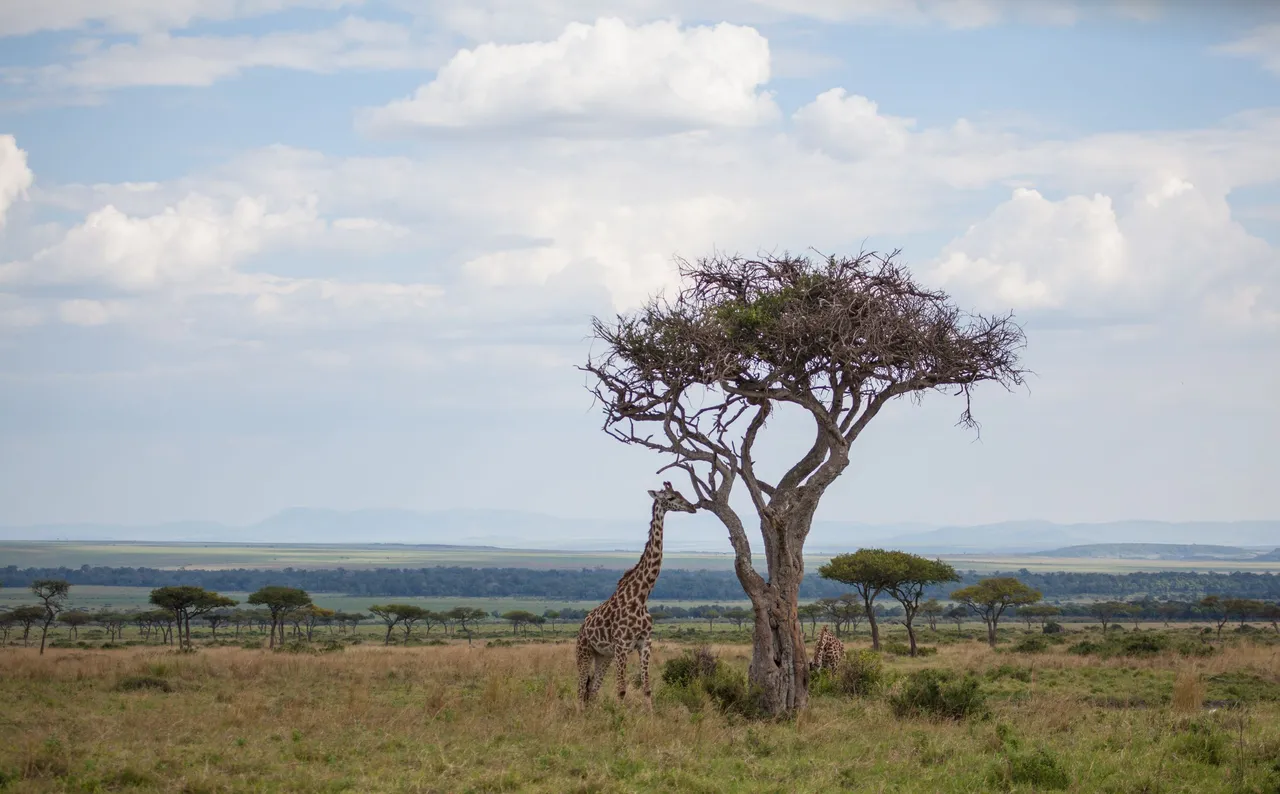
[[1168, 611], [932, 610], [812, 613], [220, 617], [113, 622], [74, 620], [553, 615], [388, 615], [869, 572], [1271, 614], [53, 594], [1106, 611], [845, 610], [737, 616], [1243, 609], [990, 598], [27, 616], [914, 573], [466, 617], [410, 615], [313, 616], [7, 622], [519, 618], [279, 600], [710, 614], [187, 602], [1215, 608], [1040, 612]]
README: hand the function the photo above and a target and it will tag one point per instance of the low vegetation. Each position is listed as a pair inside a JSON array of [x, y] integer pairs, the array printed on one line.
[[499, 715]]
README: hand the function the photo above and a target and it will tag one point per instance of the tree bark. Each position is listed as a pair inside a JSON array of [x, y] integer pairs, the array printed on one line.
[[991, 633], [778, 659]]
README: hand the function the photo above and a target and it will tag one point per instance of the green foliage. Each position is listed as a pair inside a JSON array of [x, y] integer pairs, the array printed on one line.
[[1009, 671], [698, 673], [1243, 687], [1031, 644], [939, 694]]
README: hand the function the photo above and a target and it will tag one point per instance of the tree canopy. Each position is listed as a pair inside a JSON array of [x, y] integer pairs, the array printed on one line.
[[990, 598]]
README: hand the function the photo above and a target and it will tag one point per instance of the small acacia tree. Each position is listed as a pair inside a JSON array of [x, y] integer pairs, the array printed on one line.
[[1040, 612], [918, 573], [990, 598], [53, 595], [187, 602], [1106, 612], [74, 620], [932, 610], [279, 600], [835, 340], [869, 572], [27, 616]]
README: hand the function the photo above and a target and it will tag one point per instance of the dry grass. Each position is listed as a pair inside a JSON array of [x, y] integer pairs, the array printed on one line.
[[461, 719]]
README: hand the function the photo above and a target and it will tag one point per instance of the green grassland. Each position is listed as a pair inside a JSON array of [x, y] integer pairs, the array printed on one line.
[[215, 556], [495, 716]]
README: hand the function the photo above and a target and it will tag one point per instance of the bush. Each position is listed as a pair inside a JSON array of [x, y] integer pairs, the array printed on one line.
[[1009, 671], [690, 666], [1052, 627], [698, 673], [862, 674], [1030, 644], [332, 646], [1144, 644], [1085, 648], [895, 647], [295, 646], [939, 693], [137, 683]]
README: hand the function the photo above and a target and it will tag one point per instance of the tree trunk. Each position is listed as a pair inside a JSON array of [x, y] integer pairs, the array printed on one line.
[[875, 627], [911, 635], [778, 660], [991, 633]]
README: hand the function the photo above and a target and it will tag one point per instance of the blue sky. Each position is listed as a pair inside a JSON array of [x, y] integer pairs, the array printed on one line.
[[265, 253]]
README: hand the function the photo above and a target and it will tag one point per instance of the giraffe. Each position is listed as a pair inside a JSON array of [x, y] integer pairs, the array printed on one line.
[[622, 624], [828, 652]]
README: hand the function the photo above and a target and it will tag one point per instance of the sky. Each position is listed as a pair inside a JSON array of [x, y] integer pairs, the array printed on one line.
[[258, 254]]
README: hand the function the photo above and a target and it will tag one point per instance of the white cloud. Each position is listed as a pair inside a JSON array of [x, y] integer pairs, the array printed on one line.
[[191, 242], [1171, 248], [608, 75], [1261, 44], [15, 176], [851, 125], [18, 17], [160, 59]]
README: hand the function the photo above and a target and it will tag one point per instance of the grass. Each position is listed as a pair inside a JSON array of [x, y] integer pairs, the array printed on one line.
[[216, 556], [453, 718]]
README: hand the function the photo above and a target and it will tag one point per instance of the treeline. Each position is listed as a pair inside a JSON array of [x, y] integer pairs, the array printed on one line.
[[598, 584]]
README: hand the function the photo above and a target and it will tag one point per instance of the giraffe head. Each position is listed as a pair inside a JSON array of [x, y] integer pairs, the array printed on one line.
[[670, 499]]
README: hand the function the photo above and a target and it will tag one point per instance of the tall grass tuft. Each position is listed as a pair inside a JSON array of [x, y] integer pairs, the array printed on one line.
[[1188, 692]]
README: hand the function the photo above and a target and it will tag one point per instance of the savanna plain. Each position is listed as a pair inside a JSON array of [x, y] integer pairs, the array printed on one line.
[[1151, 709]]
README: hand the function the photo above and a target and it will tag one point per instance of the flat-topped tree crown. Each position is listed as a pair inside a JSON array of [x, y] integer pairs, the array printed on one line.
[[698, 376]]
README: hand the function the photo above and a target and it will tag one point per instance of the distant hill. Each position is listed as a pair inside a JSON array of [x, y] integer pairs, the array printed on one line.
[[1152, 551], [699, 532], [1271, 556]]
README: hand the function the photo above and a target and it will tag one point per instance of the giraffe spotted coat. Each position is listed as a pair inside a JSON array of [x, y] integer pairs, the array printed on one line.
[[622, 624], [828, 653]]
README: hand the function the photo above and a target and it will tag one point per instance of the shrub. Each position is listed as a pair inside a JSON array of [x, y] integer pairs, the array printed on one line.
[[1052, 627], [1144, 644], [332, 646], [1031, 644], [689, 667], [251, 645], [698, 673], [939, 693], [295, 646], [1085, 648], [862, 674], [137, 683], [895, 647]]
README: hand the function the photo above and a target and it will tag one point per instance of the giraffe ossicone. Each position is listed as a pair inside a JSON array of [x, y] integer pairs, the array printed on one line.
[[622, 624]]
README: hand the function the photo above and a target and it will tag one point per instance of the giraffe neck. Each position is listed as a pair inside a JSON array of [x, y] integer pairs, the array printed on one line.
[[651, 558]]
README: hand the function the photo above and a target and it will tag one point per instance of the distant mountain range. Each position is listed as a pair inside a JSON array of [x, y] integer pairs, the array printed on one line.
[[700, 532], [1163, 551]]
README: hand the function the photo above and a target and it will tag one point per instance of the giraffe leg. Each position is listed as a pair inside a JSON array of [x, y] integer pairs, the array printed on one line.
[[645, 651], [585, 679], [620, 656], [597, 677]]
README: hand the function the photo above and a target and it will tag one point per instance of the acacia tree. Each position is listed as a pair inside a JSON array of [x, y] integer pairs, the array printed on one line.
[[836, 339], [869, 572], [53, 595], [74, 620], [1040, 612], [932, 610], [186, 602], [27, 617], [990, 598], [812, 613], [957, 615], [917, 574], [278, 600], [388, 614], [1106, 611]]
